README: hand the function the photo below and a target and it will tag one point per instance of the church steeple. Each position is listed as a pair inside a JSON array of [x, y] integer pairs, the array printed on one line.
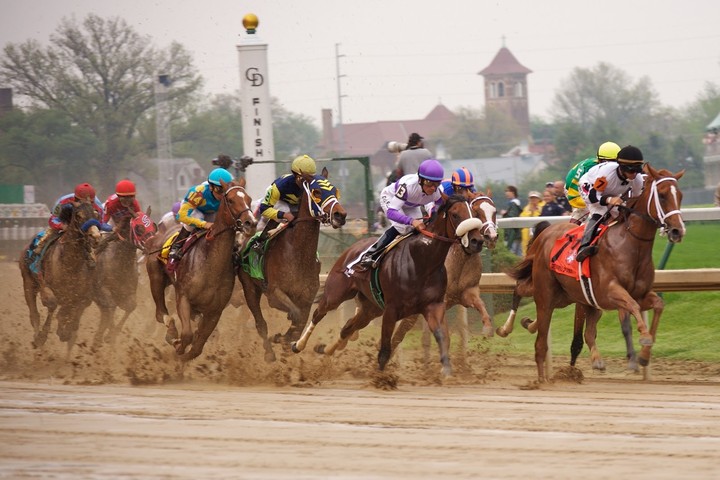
[[506, 87]]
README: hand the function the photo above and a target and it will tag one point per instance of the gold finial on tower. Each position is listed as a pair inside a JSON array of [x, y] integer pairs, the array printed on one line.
[[250, 22]]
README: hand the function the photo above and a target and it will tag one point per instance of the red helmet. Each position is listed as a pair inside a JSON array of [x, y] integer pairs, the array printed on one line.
[[84, 190], [125, 188]]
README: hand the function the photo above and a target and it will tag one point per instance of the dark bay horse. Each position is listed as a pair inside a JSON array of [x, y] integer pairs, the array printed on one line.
[[291, 267], [411, 279], [622, 272], [205, 275], [464, 271], [65, 277], [117, 272]]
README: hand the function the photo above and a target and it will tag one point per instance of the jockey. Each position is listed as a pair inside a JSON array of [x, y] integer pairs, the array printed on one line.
[[603, 187], [461, 183], [608, 151], [198, 209], [402, 202], [169, 219], [282, 198], [121, 204], [62, 212]]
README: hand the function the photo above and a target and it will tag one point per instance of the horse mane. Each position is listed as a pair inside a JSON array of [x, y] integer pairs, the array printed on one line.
[[451, 200]]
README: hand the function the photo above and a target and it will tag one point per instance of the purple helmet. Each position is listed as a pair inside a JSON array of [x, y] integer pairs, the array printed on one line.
[[176, 207], [431, 170]]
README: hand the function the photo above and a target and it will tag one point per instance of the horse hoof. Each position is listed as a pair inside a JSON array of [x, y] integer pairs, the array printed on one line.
[[270, 356], [294, 347], [633, 366], [446, 371], [646, 340], [525, 322], [501, 332], [277, 338], [487, 331], [599, 365], [319, 348], [644, 362]]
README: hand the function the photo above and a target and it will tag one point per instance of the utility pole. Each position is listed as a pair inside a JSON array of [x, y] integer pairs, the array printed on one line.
[[340, 96], [166, 172]]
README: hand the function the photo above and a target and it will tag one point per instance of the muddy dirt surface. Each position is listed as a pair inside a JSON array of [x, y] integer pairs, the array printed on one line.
[[130, 410]]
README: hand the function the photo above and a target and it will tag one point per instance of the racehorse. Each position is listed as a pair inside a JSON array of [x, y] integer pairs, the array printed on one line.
[[464, 271], [64, 276], [205, 275], [622, 270], [117, 274], [411, 279], [291, 274]]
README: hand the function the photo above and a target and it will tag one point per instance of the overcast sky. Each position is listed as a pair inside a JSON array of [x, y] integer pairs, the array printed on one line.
[[400, 58]]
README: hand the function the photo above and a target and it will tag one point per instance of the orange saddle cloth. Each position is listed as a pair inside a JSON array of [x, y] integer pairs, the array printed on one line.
[[562, 256]]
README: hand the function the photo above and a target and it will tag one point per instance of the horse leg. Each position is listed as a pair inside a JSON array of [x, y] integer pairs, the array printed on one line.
[[186, 334], [425, 341], [507, 328], [106, 319], [620, 297], [577, 340], [158, 283], [30, 289], [592, 316], [544, 315], [471, 299], [206, 326], [435, 317], [654, 302], [386, 332], [117, 329], [363, 315], [405, 325], [253, 293], [626, 328]]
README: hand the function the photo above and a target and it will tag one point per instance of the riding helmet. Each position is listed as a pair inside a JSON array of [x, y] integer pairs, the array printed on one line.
[[608, 151], [462, 177], [431, 170], [125, 188], [84, 190], [303, 165], [219, 174]]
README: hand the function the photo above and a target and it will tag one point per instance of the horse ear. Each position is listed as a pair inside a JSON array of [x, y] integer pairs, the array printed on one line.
[[241, 181], [488, 192], [149, 209], [679, 174], [325, 172]]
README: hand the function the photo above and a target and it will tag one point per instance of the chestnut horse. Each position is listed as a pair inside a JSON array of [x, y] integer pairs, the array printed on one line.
[[622, 272], [117, 272], [411, 279], [464, 271], [205, 276], [291, 267], [67, 275]]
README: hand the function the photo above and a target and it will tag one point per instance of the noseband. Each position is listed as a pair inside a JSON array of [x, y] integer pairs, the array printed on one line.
[[320, 215], [653, 199], [237, 221], [487, 224]]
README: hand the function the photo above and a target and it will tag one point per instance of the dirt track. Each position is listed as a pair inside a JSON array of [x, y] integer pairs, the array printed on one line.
[[130, 411]]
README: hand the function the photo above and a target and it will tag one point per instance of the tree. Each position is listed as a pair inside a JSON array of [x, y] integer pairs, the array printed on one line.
[[477, 134], [102, 75]]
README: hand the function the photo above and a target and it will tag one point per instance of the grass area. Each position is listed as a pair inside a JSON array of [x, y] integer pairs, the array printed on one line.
[[689, 328]]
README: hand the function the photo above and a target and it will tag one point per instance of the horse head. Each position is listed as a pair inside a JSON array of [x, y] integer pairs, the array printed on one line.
[[238, 201], [484, 208], [459, 223], [325, 204], [663, 201], [142, 228], [85, 222]]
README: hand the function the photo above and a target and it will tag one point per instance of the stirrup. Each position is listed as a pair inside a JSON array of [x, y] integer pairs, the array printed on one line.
[[585, 252]]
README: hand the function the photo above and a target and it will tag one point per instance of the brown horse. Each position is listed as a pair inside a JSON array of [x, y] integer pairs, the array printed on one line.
[[291, 267], [411, 279], [464, 271], [205, 275], [117, 272], [622, 272], [63, 277]]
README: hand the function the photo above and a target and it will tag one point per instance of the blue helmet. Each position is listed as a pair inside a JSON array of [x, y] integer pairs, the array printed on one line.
[[462, 177], [431, 170], [219, 174]]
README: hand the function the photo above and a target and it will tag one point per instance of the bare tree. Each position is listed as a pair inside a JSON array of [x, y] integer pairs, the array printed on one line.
[[102, 75]]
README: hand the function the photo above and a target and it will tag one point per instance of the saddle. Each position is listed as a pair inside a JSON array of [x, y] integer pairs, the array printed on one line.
[[189, 242], [33, 259], [562, 256]]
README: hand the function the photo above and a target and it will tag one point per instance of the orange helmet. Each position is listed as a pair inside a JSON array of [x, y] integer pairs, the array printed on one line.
[[84, 190], [125, 188]]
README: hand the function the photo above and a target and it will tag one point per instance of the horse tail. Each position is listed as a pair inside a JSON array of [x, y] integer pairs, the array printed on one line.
[[523, 270]]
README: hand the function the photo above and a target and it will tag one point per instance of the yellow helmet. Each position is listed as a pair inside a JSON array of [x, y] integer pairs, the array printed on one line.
[[608, 151], [304, 165]]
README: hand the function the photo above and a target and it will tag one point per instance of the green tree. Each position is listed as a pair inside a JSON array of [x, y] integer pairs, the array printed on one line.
[[477, 134], [101, 74]]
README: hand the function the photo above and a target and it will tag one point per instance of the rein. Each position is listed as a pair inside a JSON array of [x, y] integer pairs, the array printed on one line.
[[454, 228], [235, 224], [653, 199], [487, 224]]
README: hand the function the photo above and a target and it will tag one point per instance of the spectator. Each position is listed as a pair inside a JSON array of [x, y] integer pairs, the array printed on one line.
[[512, 235], [532, 209], [560, 197], [551, 207], [410, 159]]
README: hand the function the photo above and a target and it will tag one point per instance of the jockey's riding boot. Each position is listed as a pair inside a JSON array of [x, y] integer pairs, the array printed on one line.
[[42, 241], [259, 243], [370, 257], [586, 250], [175, 253]]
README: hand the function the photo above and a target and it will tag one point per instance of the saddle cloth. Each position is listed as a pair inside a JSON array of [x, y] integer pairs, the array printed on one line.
[[562, 256]]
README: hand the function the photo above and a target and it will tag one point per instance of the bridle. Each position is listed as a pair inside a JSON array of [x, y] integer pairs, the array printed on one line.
[[488, 225], [236, 224], [454, 228], [653, 199], [317, 211]]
